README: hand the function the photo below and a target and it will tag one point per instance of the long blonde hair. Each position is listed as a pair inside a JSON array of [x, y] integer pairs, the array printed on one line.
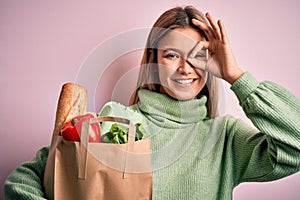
[[178, 17]]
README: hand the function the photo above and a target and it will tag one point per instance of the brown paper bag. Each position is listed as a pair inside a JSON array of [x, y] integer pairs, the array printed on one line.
[[83, 170]]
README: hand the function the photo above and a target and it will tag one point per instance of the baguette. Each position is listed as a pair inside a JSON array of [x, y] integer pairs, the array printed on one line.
[[72, 102]]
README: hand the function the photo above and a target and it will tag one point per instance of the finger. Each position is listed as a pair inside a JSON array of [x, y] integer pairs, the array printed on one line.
[[207, 29], [196, 63], [214, 25], [195, 49], [198, 47], [223, 32]]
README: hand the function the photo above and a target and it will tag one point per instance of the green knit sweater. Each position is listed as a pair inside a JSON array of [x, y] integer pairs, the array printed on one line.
[[195, 157]]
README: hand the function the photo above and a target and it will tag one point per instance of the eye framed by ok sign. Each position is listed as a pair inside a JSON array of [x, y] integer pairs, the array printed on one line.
[[199, 53]]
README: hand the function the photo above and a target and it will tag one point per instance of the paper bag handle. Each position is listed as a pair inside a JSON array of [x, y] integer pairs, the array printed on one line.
[[84, 141]]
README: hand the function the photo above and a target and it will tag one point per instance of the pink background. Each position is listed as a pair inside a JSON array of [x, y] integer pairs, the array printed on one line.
[[43, 44]]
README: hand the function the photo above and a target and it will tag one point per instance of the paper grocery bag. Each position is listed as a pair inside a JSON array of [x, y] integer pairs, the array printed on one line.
[[83, 170]]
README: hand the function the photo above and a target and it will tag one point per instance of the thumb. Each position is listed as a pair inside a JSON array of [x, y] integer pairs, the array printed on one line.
[[197, 63], [213, 67]]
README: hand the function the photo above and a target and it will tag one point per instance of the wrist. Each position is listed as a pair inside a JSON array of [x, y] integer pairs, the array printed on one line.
[[244, 86], [234, 76]]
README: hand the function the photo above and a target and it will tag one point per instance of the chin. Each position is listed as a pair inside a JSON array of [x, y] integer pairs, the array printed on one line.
[[179, 95], [184, 96]]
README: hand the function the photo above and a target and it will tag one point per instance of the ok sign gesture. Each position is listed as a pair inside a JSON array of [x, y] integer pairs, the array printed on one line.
[[221, 62]]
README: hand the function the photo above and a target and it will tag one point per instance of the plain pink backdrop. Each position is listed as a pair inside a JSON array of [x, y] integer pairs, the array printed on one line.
[[44, 44]]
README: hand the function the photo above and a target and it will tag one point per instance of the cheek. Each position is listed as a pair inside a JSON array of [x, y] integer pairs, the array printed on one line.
[[163, 72], [167, 68], [203, 74]]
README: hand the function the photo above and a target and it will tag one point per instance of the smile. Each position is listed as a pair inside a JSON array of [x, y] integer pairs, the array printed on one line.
[[184, 81]]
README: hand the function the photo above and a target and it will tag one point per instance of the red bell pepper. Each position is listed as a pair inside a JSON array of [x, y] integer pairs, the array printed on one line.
[[71, 130]]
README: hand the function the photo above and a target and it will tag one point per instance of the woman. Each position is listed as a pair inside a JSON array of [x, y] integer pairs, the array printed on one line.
[[195, 153]]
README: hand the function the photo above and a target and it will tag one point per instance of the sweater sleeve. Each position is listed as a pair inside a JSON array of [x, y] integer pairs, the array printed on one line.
[[273, 151], [26, 181]]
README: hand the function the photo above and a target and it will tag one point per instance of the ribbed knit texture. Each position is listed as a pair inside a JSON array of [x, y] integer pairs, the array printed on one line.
[[26, 181], [194, 157]]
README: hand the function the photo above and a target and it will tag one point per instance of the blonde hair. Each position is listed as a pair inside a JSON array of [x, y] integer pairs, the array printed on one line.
[[178, 17]]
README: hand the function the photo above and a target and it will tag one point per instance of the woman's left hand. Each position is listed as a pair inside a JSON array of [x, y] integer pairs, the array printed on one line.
[[221, 62]]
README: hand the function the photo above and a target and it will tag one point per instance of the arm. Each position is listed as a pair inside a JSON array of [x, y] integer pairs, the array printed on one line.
[[274, 152], [26, 181]]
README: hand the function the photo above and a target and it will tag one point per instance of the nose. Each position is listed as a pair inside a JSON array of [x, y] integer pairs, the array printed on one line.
[[185, 67]]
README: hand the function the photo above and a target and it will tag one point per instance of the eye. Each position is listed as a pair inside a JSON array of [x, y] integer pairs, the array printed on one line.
[[201, 55], [172, 55]]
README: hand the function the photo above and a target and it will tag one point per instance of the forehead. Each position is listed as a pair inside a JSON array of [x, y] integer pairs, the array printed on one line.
[[180, 38]]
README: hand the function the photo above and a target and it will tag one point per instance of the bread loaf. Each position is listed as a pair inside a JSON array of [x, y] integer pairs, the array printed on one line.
[[72, 102]]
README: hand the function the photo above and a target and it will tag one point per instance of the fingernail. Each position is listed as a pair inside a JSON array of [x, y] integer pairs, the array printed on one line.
[[195, 20]]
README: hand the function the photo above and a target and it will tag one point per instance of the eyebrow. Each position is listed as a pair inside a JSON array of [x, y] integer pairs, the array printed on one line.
[[178, 50], [172, 49]]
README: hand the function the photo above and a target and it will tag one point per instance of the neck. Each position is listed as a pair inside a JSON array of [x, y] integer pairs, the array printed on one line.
[[164, 108]]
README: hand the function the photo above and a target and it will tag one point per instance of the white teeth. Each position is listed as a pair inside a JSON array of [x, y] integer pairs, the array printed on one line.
[[184, 81]]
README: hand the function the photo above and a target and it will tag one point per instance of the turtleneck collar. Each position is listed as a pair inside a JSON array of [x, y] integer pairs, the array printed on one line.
[[162, 107]]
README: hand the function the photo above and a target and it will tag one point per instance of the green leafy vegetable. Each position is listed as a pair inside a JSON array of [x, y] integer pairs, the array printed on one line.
[[118, 134]]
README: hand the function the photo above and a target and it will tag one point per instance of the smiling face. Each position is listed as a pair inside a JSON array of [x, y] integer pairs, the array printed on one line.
[[178, 78]]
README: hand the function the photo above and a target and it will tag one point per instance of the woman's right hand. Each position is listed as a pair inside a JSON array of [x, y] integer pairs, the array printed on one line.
[[221, 62]]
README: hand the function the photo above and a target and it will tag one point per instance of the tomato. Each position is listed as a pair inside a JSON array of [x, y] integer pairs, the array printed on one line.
[[72, 130]]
